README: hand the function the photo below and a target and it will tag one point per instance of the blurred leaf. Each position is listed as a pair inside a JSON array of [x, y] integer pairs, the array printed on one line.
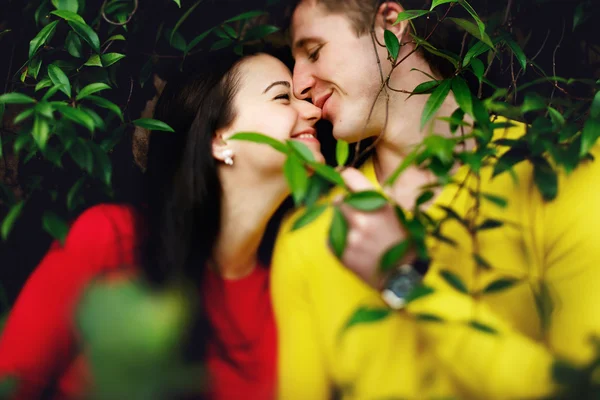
[[58, 77], [500, 285], [410, 14], [453, 280], [86, 34], [436, 3], [247, 15], [497, 200], [408, 161], [98, 121], [16, 98], [82, 155], [23, 115], [40, 131], [478, 21], [579, 16], [440, 146], [481, 262], [94, 61], [68, 16], [544, 305], [51, 92], [473, 30], [482, 328], [91, 89], [556, 117], [510, 159], [41, 38], [296, 176], [392, 43], [78, 116], [521, 57], [55, 226], [34, 67], [309, 215], [424, 197], [181, 21], [435, 101], [462, 93], [260, 31], [45, 109], [595, 108], [533, 102], [69, 5], [545, 178], [317, 186], [44, 83], [489, 223], [567, 374], [328, 173], [102, 102], [425, 317], [419, 292], [9, 220], [338, 233], [478, 68], [178, 2], [369, 200], [115, 37], [102, 164], [394, 255], [8, 384], [365, 315], [152, 124], [589, 135], [197, 40], [301, 150], [74, 198], [230, 31], [221, 44], [260, 138], [342, 150], [109, 59]]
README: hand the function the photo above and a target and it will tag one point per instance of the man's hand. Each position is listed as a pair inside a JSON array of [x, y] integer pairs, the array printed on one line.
[[370, 234]]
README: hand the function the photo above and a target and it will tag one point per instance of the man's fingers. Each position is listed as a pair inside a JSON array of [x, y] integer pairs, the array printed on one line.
[[356, 181]]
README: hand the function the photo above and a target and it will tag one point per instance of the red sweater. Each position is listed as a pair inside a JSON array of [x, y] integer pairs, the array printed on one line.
[[39, 346]]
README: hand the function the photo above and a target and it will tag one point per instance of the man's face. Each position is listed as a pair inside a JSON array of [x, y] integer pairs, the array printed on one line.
[[336, 69]]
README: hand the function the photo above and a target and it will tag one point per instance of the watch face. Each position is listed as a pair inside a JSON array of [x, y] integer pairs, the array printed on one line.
[[403, 281]]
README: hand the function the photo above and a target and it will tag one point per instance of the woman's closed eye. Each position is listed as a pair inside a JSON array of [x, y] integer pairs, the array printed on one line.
[[283, 96]]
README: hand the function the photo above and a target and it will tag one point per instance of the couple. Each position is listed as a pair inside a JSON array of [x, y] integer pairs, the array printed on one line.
[[213, 197]]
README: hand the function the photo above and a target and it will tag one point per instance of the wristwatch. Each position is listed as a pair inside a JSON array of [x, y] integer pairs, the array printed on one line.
[[401, 283]]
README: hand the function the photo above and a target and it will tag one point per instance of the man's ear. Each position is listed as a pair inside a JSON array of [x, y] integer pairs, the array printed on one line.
[[387, 14]]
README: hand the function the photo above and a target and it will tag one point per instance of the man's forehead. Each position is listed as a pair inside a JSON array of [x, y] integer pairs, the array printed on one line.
[[305, 22]]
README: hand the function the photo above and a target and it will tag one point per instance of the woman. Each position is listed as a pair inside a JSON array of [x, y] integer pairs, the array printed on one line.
[[209, 202]]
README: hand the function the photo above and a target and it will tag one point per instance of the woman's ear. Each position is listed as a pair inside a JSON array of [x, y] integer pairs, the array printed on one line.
[[221, 151], [387, 14]]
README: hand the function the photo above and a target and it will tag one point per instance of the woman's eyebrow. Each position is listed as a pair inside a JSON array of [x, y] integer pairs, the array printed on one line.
[[284, 83]]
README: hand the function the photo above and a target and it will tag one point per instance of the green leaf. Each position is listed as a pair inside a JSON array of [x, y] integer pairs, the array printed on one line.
[[394, 255], [310, 214], [435, 101], [410, 14], [178, 2], [478, 68], [23, 115], [482, 327], [197, 40], [91, 89], [102, 165], [296, 176], [509, 159], [497, 200], [41, 38], [595, 108], [73, 197], [68, 16], [425, 317], [545, 178], [473, 30], [301, 150], [221, 44], [462, 94], [16, 98], [40, 131], [436, 3], [69, 5], [368, 200], [45, 109], [11, 217], [247, 15], [86, 34], [521, 57], [440, 146], [52, 91], [338, 233], [182, 20], [34, 67], [317, 186], [477, 49], [94, 61], [480, 24], [102, 102], [365, 315], [44, 83], [58, 77], [453, 280], [556, 117], [260, 31], [544, 305], [82, 155], [109, 59], [328, 173], [589, 135], [500, 285], [115, 37], [8, 384], [425, 87], [533, 102], [55, 226], [490, 223], [481, 262], [73, 45], [392, 43], [419, 292], [342, 150], [424, 197], [153, 124], [230, 31], [78, 116], [260, 138]]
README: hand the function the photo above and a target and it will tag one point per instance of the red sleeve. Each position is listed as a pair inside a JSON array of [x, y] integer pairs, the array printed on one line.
[[38, 343]]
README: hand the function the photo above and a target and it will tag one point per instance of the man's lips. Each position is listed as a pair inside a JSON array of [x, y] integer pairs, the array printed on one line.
[[321, 100]]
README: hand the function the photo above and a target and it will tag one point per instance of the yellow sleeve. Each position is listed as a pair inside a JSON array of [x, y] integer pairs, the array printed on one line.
[[301, 365], [510, 364]]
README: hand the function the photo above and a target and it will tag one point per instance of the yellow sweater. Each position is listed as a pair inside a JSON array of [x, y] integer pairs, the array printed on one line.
[[549, 247]]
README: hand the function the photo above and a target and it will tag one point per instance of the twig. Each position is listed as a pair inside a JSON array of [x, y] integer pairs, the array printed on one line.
[[130, 92], [10, 63], [562, 35], [507, 13], [135, 7]]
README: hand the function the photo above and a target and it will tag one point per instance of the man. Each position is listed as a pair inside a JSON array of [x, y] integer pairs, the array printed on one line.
[[489, 346]]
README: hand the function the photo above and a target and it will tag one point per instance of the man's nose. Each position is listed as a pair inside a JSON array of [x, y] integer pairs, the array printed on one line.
[[303, 81]]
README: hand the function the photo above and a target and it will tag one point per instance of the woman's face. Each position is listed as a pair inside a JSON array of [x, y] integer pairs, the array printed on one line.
[[265, 104]]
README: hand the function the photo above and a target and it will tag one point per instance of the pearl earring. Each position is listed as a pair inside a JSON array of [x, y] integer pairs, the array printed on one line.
[[228, 156]]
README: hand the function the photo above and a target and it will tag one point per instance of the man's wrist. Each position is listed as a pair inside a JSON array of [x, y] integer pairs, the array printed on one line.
[[401, 282]]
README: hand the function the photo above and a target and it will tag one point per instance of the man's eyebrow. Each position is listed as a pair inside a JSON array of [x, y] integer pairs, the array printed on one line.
[[284, 83], [302, 42]]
